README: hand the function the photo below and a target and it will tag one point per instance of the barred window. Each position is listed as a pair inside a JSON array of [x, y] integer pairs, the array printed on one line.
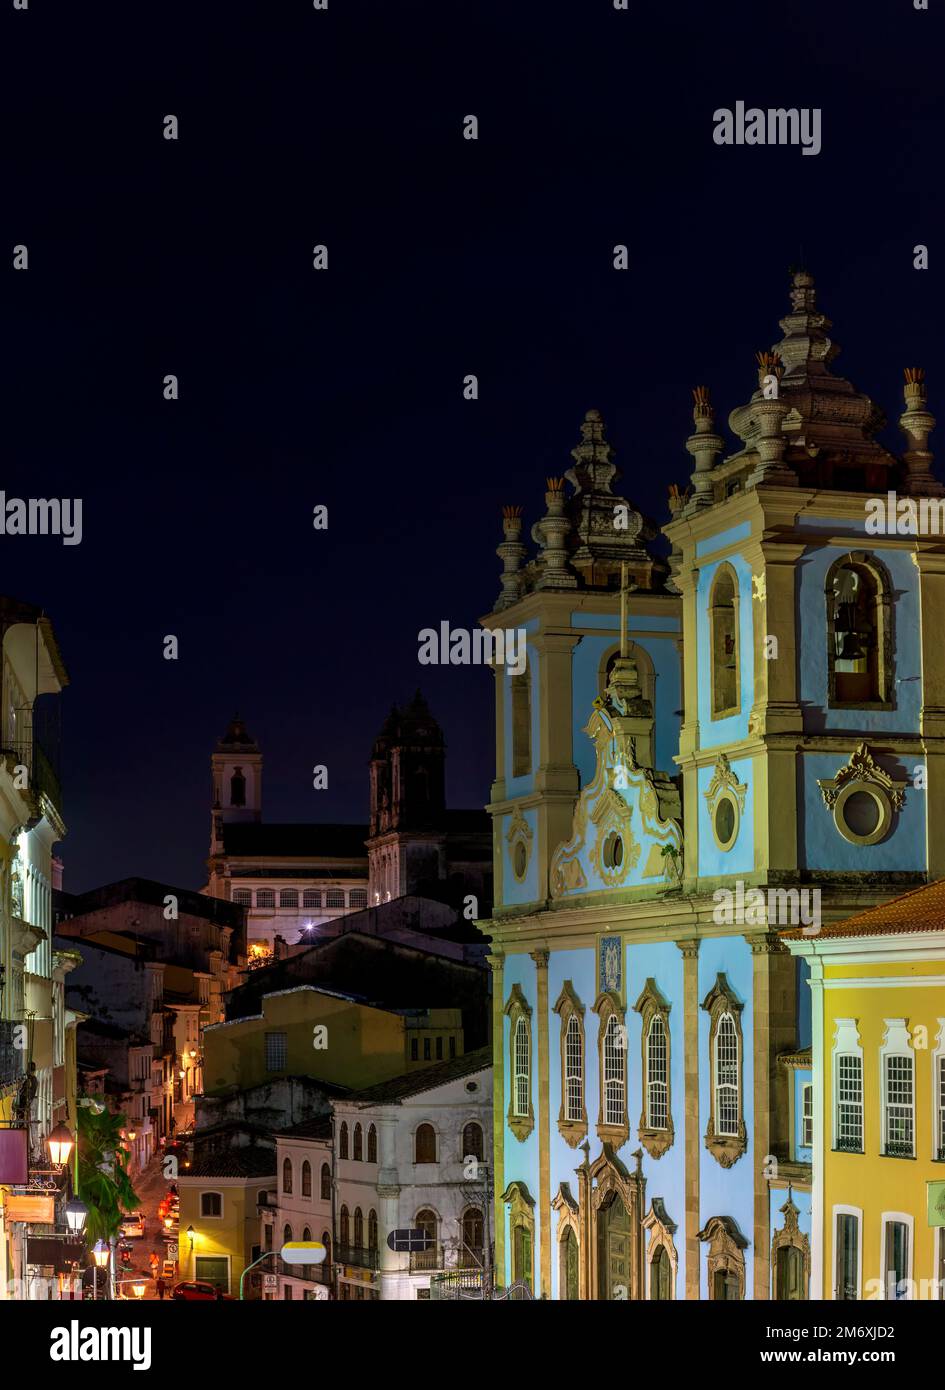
[[726, 1077], [265, 897], [573, 1072], [614, 1074], [807, 1114], [850, 1103], [276, 1051], [335, 897], [289, 897], [521, 1066], [900, 1106], [358, 897], [657, 1077], [312, 897], [243, 896]]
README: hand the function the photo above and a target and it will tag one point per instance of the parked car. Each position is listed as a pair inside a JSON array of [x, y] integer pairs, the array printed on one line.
[[192, 1291], [133, 1226]]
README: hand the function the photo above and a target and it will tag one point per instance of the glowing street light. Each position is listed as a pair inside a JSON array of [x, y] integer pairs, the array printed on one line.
[[60, 1142], [77, 1213]]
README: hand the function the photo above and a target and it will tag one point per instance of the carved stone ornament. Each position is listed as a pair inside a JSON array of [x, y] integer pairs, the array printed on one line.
[[519, 836], [660, 1230], [726, 1246], [862, 767], [572, 1127], [724, 779], [726, 1149], [791, 1234]]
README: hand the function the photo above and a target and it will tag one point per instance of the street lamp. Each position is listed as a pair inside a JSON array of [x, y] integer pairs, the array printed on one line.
[[138, 1288], [77, 1213], [60, 1142], [100, 1256]]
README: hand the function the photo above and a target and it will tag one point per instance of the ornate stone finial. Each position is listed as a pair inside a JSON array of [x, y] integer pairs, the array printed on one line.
[[917, 423], [550, 533], [769, 364], [704, 446], [511, 552]]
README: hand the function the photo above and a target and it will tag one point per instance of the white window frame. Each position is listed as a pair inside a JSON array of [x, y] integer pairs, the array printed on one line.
[[655, 1084], [206, 1216], [846, 1043], [720, 1087], [519, 1073], [904, 1219], [938, 1094], [897, 1042], [615, 1074], [857, 1213], [573, 1069], [807, 1120]]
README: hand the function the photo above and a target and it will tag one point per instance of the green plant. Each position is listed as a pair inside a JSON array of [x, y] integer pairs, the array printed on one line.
[[104, 1184]]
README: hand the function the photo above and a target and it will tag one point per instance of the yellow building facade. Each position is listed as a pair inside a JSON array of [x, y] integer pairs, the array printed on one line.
[[878, 1026]]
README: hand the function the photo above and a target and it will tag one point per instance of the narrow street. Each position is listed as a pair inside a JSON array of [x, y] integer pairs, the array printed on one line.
[[151, 1186]]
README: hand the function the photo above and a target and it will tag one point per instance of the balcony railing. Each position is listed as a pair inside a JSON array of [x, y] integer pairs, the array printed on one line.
[[42, 777], [426, 1259], [358, 1255], [312, 1274], [11, 1057]]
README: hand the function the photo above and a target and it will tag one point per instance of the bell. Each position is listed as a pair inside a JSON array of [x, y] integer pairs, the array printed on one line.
[[850, 649]]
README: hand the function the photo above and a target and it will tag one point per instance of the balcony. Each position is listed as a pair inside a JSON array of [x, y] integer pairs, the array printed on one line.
[[426, 1259], [311, 1274], [42, 777], [358, 1255]]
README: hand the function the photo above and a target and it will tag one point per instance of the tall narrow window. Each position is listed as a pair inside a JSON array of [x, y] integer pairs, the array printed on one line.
[[657, 1075], [358, 1148], [425, 1144], [899, 1107], [574, 1071], [238, 788], [326, 1183], [896, 1256], [660, 1275], [472, 1141], [358, 1228], [522, 1067], [568, 1286], [372, 1229], [472, 1235], [615, 1084], [847, 1287], [726, 1077], [372, 1144], [849, 1073], [344, 1227], [306, 1179], [343, 1140], [723, 627], [521, 724], [857, 619], [287, 1177], [807, 1114]]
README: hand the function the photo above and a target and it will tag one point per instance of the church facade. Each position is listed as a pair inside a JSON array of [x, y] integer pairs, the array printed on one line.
[[699, 754]]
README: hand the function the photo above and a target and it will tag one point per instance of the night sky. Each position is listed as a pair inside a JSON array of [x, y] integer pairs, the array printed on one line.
[[344, 388]]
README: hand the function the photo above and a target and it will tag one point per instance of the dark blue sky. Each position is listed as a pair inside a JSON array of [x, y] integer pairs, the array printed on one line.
[[446, 257]]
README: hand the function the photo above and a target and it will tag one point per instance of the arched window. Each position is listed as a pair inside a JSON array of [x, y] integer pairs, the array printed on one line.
[[238, 788], [521, 690], [343, 1140], [472, 1230], [661, 1275], [307, 1234], [326, 1183], [472, 1141], [615, 1080], [425, 1144], [426, 1222], [306, 1179], [287, 1176], [657, 1075], [358, 1227], [326, 1241], [372, 1145], [859, 633], [262, 1197], [344, 1227], [568, 1265], [358, 1144], [723, 629], [286, 1234], [726, 1076], [521, 1066], [573, 1071], [372, 1229]]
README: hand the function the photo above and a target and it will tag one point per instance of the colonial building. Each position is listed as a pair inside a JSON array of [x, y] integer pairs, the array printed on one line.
[[302, 879], [877, 1124], [37, 1044], [409, 1155], [687, 753]]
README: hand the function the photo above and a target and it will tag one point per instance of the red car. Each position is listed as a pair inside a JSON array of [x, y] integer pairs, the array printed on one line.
[[192, 1291]]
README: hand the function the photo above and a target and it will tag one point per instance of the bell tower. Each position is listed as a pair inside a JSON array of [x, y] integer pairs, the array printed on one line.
[[236, 782], [406, 841]]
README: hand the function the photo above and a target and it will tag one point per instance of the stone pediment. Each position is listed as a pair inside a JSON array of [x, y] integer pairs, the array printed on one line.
[[626, 831]]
